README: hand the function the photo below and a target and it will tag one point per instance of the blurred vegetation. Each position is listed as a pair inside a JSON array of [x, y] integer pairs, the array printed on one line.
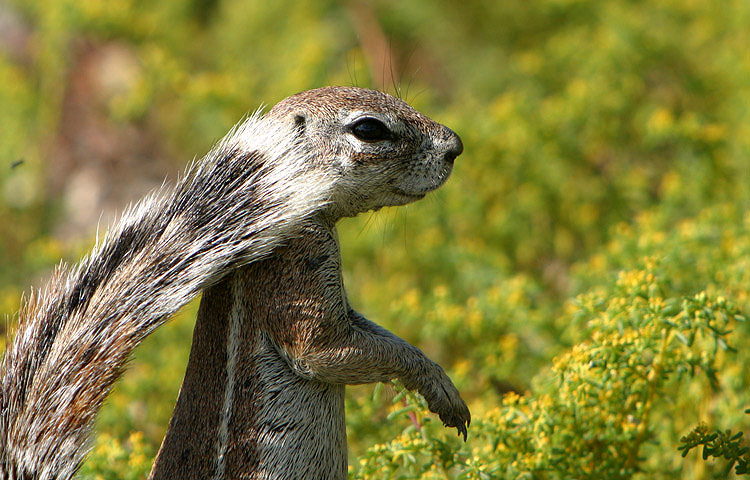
[[584, 276]]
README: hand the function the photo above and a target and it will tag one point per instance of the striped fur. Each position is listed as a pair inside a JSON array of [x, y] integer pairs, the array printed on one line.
[[234, 206]]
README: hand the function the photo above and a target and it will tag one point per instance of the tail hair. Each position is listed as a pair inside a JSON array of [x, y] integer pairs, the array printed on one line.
[[243, 199]]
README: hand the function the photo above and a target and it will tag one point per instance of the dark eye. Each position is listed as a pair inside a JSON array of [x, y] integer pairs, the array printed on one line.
[[370, 130]]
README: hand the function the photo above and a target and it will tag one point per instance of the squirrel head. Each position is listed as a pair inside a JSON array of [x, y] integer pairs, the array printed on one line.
[[377, 149]]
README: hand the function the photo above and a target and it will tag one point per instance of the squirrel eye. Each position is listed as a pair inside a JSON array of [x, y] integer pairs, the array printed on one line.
[[370, 130]]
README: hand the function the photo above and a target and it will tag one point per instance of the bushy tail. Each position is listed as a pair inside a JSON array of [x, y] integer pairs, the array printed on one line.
[[236, 205]]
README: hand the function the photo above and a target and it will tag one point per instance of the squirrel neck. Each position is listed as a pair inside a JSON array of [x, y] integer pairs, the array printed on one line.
[[242, 412]]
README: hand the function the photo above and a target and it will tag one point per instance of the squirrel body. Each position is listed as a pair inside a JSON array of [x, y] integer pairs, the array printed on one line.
[[244, 411], [314, 158], [274, 345]]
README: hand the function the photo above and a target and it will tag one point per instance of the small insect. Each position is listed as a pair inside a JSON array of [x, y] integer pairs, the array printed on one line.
[[17, 163]]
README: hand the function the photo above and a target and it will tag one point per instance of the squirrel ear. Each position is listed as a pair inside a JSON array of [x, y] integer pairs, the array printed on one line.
[[299, 122]]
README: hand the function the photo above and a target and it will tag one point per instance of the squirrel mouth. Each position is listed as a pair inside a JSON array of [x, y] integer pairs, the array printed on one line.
[[411, 196], [419, 193]]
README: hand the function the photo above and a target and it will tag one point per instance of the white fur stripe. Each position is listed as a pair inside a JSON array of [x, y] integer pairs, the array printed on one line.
[[233, 345]]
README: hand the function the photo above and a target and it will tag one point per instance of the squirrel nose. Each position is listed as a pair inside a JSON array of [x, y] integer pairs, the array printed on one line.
[[455, 145]]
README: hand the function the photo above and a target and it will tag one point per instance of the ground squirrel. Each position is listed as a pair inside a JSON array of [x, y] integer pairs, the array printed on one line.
[[265, 199]]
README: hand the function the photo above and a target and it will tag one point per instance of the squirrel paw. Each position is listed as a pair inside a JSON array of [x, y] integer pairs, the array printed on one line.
[[443, 398]]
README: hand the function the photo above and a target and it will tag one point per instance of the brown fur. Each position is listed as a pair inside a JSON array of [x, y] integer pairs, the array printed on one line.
[[300, 343], [299, 340], [275, 343]]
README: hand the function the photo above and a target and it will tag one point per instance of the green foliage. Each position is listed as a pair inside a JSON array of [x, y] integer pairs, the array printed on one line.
[[417, 452], [719, 445], [111, 458], [595, 419], [584, 276], [643, 350]]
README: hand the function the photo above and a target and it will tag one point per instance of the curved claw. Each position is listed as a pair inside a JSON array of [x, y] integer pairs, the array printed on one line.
[[463, 425], [459, 420], [462, 431], [444, 399]]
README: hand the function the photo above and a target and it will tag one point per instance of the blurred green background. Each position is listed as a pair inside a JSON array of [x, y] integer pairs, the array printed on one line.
[[600, 137]]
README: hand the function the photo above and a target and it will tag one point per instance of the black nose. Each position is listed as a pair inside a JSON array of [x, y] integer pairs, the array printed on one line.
[[455, 145]]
